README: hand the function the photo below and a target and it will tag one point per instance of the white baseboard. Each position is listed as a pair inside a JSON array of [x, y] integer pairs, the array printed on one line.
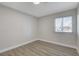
[[9, 48], [59, 43]]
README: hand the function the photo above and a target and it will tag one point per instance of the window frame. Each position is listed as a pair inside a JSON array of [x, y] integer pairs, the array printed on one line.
[[62, 25]]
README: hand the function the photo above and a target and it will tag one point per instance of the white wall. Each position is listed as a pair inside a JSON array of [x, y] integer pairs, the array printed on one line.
[[78, 29], [46, 29], [15, 27]]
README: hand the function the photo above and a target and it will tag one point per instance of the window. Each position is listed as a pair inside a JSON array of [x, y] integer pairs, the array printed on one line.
[[63, 24]]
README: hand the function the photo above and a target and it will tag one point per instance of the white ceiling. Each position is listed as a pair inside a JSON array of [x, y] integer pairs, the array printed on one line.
[[42, 9]]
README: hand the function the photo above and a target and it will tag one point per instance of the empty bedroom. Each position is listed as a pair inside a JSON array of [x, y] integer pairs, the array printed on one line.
[[39, 29]]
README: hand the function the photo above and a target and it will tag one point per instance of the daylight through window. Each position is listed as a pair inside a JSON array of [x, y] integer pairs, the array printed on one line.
[[63, 24]]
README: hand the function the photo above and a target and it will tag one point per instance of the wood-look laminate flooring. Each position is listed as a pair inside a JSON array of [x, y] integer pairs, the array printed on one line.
[[41, 48]]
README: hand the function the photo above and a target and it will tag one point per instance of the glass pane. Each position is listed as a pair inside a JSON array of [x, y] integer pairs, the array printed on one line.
[[58, 25], [67, 24]]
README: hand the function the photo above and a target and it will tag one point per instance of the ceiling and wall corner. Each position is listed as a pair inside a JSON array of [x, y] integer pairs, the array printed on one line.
[[47, 29], [18, 11], [42, 9]]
